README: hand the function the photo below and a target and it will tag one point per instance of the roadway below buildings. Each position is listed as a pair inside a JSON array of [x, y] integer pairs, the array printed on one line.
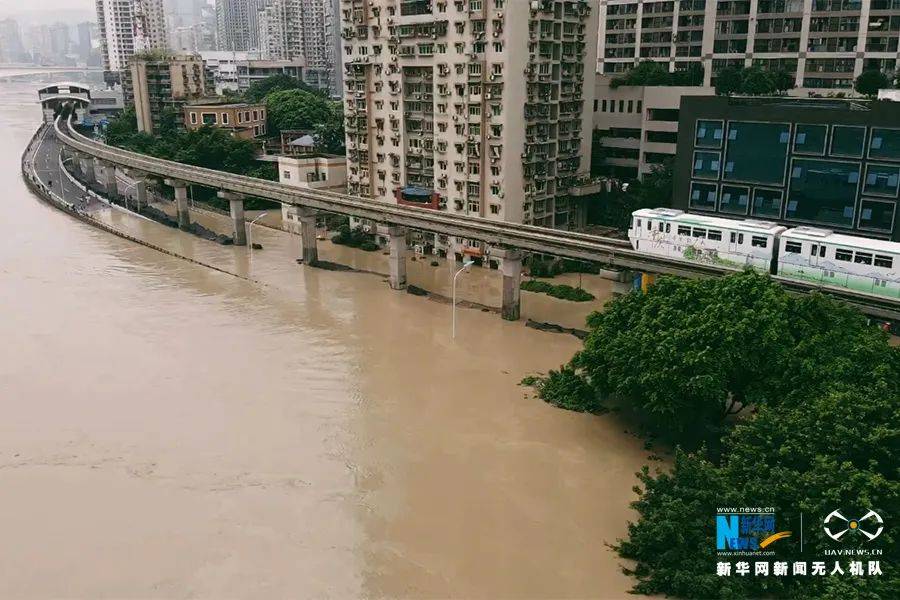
[[171, 430]]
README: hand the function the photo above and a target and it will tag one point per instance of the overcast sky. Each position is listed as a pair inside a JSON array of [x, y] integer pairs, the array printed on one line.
[[18, 6]]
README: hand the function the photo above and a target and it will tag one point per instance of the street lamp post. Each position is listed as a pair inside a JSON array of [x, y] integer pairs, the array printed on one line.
[[250, 230], [465, 267]]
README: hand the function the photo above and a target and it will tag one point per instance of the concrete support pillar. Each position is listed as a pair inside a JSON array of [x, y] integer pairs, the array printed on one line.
[[511, 267], [238, 222], [309, 252], [140, 195], [107, 175], [397, 259], [87, 168], [181, 203]]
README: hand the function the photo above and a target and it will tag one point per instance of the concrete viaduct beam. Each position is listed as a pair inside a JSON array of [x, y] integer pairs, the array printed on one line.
[[181, 202], [238, 222]]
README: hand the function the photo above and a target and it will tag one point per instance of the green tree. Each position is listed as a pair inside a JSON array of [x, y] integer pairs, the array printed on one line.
[[121, 128], [757, 82], [784, 81], [687, 354], [648, 72], [297, 109], [836, 449], [330, 133], [729, 81], [869, 82], [258, 90]]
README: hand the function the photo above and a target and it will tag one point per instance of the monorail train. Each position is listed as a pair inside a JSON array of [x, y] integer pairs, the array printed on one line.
[[802, 253]]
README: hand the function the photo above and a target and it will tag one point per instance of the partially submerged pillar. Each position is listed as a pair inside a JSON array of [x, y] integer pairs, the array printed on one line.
[[309, 251], [397, 259], [181, 203], [511, 267], [87, 168], [107, 176], [140, 194], [238, 222]]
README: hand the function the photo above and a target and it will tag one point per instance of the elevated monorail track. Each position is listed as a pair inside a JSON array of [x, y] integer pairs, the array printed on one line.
[[579, 246]]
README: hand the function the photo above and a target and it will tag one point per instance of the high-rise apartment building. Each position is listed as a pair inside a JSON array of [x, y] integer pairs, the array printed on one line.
[[477, 107], [165, 83], [127, 27], [300, 29], [237, 24], [824, 43], [11, 47]]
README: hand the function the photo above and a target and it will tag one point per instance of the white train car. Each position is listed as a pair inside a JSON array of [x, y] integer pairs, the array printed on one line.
[[856, 263], [698, 238]]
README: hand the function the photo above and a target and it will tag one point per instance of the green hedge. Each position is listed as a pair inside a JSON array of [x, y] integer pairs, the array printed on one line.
[[563, 292]]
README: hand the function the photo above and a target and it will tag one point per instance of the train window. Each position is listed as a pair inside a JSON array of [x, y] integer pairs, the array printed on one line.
[[863, 258], [733, 236], [740, 238], [668, 227], [844, 255], [793, 247], [638, 224], [682, 230], [759, 242], [649, 225], [660, 225], [822, 251], [714, 234], [813, 250], [699, 232], [884, 261]]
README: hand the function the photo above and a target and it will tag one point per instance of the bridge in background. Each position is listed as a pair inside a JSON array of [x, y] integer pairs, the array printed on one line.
[[98, 161]]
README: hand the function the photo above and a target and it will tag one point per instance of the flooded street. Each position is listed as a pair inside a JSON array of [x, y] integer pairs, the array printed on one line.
[[171, 431]]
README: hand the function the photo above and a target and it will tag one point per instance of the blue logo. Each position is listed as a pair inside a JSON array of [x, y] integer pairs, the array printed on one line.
[[746, 531]]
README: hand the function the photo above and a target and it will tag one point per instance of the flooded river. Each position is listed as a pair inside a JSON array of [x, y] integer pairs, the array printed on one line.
[[171, 431]]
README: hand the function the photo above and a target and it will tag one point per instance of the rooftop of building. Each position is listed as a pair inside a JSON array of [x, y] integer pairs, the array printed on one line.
[[222, 103]]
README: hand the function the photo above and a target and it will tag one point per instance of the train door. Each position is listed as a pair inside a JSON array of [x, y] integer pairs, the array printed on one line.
[[814, 255], [732, 242]]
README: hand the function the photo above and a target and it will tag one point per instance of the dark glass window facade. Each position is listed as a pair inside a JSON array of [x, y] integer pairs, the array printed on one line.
[[825, 163], [706, 164], [734, 199], [767, 203], [885, 144], [848, 141], [703, 195], [756, 152], [811, 139], [877, 215], [823, 191]]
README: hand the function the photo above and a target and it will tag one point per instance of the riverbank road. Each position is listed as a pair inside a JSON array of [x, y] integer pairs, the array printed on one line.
[[44, 158]]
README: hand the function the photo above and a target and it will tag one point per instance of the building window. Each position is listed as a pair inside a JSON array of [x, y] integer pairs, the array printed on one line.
[[224, 118], [766, 203], [848, 141], [877, 215], [810, 139], [885, 144], [882, 180], [193, 118], [256, 115], [706, 165], [208, 118], [747, 142], [286, 174], [823, 192], [703, 195], [709, 134], [734, 200]]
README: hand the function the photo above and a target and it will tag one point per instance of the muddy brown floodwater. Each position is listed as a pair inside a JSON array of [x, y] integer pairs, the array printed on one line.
[[169, 431]]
